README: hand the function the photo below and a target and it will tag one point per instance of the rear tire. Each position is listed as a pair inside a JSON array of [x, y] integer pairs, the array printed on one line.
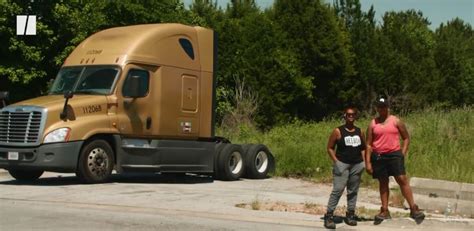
[[258, 162], [217, 169], [25, 175], [96, 162], [230, 163]]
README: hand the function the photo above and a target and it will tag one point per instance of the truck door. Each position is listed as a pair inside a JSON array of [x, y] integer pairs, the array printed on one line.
[[134, 113]]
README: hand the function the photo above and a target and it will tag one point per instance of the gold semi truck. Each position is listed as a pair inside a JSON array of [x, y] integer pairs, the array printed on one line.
[[137, 98]]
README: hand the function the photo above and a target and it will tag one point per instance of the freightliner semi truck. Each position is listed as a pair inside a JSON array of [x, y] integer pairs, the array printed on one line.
[[137, 98]]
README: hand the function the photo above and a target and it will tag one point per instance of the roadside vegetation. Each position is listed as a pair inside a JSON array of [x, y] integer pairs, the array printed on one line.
[[280, 67], [441, 145]]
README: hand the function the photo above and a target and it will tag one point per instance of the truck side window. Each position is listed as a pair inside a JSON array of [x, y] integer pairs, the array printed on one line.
[[187, 47], [144, 82]]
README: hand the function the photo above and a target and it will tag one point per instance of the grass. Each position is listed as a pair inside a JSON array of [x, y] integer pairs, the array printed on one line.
[[396, 198], [256, 204], [441, 146]]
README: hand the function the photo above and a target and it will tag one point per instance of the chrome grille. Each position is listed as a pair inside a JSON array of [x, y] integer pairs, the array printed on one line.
[[20, 127]]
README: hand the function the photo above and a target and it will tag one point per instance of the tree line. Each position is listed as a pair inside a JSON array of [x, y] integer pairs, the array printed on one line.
[[302, 60]]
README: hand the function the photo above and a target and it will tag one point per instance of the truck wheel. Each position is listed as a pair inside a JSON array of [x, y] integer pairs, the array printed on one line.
[[25, 175], [95, 162], [230, 163], [258, 161], [217, 170]]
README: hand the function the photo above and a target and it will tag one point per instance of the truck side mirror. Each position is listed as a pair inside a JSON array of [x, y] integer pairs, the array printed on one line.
[[67, 96], [4, 95], [134, 87]]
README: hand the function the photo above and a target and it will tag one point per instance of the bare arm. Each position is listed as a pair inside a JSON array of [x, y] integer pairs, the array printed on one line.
[[368, 150], [362, 153], [405, 136], [331, 144]]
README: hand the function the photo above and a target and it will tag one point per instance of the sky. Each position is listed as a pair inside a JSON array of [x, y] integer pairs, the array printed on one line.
[[437, 11]]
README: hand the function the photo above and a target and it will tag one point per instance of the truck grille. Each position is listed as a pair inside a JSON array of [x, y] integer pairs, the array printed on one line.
[[20, 127]]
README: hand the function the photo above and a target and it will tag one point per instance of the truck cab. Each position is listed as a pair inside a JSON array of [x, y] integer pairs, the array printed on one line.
[[133, 98]]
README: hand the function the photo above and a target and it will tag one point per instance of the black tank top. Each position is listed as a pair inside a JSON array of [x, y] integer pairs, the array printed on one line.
[[349, 146]]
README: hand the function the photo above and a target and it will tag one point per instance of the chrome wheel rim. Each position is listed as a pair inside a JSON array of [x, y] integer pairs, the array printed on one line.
[[235, 162], [261, 161], [98, 162]]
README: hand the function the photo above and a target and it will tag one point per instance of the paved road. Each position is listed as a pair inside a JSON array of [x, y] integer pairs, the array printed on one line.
[[154, 202]]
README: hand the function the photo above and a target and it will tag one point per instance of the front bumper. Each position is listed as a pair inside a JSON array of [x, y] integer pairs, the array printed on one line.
[[58, 157]]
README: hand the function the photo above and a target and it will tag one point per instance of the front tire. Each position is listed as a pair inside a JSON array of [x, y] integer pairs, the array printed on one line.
[[96, 162], [25, 175]]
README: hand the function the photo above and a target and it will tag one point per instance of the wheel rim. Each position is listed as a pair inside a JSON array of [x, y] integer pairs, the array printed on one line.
[[235, 162], [261, 161], [98, 162]]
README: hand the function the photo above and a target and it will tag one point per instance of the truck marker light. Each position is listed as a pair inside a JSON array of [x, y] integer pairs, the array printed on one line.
[[186, 126]]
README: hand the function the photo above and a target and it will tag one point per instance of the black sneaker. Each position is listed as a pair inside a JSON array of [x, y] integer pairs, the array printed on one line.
[[329, 221], [417, 214], [383, 215], [351, 218]]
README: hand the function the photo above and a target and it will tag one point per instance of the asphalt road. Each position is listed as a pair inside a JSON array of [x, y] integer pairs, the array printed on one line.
[[155, 202]]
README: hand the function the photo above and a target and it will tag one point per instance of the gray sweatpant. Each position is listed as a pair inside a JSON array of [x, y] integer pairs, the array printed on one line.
[[345, 175]]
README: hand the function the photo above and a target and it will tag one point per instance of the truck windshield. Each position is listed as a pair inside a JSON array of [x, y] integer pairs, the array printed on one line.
[[97, 80]]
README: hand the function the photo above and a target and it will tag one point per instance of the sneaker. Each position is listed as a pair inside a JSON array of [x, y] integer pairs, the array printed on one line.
[[383, 215], [417, 214], [351, 218], [329, 221]]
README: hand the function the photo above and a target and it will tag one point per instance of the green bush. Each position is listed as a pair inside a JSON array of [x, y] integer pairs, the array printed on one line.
[[441, 145]]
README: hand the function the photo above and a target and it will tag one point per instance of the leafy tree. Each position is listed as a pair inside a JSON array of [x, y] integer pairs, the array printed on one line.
[[410, 77], [454, 55], [361, 88], [313, 32], [23, 57], [250, 51], [208, 12]]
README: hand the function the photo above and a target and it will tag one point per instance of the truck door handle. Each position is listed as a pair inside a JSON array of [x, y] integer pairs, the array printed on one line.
[[148, 123]]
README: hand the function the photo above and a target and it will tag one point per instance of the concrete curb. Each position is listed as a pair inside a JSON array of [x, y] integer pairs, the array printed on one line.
[[448, 206], [3, 172], [444, 196], [442, 188], [441, 195]]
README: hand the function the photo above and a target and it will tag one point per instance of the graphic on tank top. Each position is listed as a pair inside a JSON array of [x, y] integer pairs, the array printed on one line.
[[353, 141], [349, 146]]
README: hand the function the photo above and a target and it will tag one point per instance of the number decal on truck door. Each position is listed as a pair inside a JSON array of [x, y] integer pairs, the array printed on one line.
[[92, 109]]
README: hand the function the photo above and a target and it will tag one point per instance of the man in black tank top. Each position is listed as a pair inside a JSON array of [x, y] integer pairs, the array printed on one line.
[[348, 165]]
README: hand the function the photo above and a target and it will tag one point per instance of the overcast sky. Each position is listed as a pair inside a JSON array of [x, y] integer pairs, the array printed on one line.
[[437, 11]]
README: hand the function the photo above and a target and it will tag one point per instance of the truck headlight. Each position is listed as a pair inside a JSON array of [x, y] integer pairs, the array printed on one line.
[[58, 135]]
